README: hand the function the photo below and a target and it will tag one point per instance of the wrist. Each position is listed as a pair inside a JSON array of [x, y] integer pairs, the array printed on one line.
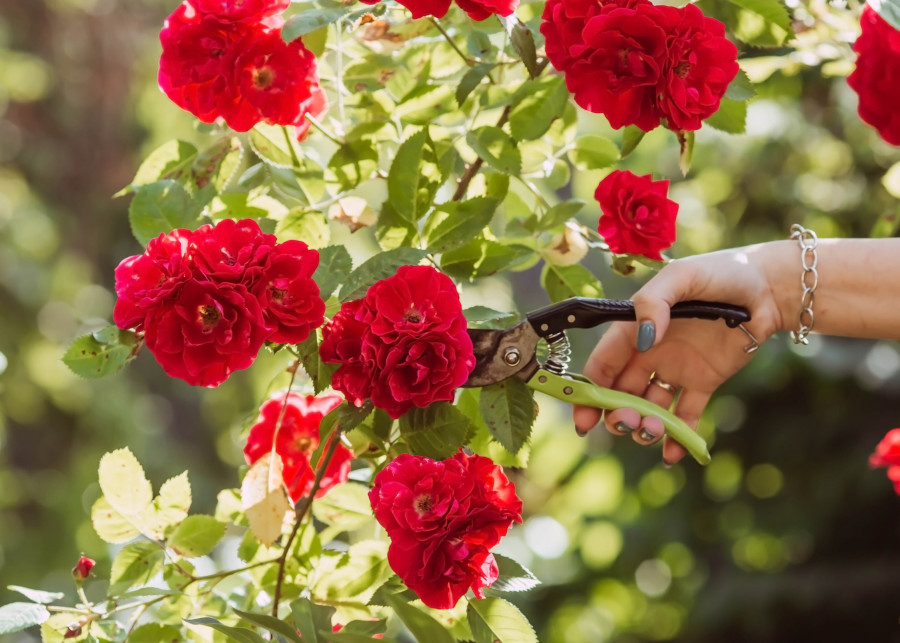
[[781, 270]]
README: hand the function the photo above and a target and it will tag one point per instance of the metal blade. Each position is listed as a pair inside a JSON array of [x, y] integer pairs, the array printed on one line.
[[500, 354]]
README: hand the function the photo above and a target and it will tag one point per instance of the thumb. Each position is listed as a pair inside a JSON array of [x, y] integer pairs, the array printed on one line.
[[653, 303]]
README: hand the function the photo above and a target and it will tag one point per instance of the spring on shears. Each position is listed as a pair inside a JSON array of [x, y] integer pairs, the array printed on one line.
[[559, 353]]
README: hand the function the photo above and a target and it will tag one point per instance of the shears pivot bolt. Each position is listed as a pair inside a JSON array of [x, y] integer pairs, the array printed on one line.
[[568, 390], [512, 356], [571, 319]]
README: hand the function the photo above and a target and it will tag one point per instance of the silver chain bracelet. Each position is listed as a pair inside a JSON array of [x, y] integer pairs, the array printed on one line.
[[809, 259]]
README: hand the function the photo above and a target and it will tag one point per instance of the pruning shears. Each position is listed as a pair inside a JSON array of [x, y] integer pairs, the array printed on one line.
[[513, 352]]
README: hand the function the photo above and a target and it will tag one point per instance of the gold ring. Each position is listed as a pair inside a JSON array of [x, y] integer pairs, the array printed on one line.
[[664, 385]]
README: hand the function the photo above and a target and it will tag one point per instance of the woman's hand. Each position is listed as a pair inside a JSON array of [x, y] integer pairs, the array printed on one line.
[[690, 357]]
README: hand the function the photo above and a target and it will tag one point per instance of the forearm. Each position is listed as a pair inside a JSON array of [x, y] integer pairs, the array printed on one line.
[[858, 293]]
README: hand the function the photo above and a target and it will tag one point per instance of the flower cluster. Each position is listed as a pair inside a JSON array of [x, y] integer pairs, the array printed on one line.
[[877, 75], [639, 63], [443, 518], [638, 218], [226, 59], [295, 438], [404, 344], [207, 300], [476, 9], [887, 454]]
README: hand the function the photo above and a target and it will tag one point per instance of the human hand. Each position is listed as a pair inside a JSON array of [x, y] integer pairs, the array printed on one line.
[[694, 356]]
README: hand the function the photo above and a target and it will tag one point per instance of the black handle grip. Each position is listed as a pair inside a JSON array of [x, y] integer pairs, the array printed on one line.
[[583, 312]]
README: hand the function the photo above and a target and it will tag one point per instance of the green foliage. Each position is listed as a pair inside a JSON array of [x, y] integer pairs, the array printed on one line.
[[160, 207], [437, 431], [101, 353], [15, 617], [508, 410], [493, 620]]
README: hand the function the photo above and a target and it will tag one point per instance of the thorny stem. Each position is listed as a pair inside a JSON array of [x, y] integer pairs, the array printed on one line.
[[280, 419], [472, 170]]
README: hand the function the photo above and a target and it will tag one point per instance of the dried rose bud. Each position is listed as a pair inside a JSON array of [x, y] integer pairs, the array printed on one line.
[[83, 568]]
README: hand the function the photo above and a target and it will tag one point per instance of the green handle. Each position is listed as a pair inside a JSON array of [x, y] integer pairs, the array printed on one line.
[[577, 389]]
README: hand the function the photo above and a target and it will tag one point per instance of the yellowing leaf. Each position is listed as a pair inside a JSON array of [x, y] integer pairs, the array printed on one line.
[[123, 483], [265, 499], [110, 525], [169, 508]]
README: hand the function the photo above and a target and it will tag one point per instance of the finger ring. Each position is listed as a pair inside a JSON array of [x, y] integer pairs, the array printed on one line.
[[664, 385]]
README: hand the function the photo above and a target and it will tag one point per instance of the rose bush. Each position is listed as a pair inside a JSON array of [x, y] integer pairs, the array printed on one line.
[[638, 218], [443, 518]]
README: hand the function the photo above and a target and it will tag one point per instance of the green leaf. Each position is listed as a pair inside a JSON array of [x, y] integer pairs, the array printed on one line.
[[562, 282], [508, 411], [593, 153], [455, 223], [311, 618], [36, 595], [271, 145], [346, 415], [154, 633], [304, 184], [169, 508], [496, 148], [513, 577], [380, 266], [304, 225], [135, 564], [686, 155], [161, 207], [536, 104], [15, 617], [482, 258], [318, 371], [422, 626], [274, 625], [196, 536], [414, 177], [423, 104], [335, 264], [632, 135], [238, 634], [471, 79], [309, 20], [354, 575], [731, 117], [393, 230], [559, 214], [110, 525], [437, 431], [346, 506], [169, 161], [485, 317], [523, 42], [101, 353], [217, 164], [741, 88], [494, 620], [123, 483], [352, 163], [772, 11]]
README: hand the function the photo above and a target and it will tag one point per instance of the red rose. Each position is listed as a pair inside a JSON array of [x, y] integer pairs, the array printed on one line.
[[144, 281], [83, 568], [443, 518], [240, 9], [207, 332], [876, 78], [637, 216], [404, 344], [295, 441], [483, 9], [289, 297], [887, 454], [241, 71], [224, 252], [700, 63]]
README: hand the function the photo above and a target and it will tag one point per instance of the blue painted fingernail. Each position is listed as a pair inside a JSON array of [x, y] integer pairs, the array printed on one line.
[[646, 435], [646, 336], [624, 428]]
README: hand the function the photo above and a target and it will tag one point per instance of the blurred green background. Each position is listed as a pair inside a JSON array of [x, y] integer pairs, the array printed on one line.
[[787, 535]]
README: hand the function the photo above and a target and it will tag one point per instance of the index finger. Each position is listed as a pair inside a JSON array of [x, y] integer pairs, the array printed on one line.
[[609, 357]]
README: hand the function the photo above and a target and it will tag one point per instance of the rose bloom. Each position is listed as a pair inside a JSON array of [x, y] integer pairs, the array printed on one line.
[[443, 518], [476, 9], [876, 78], [231, 251], [240, 9], [700, 63], [637, 216], [887, 454], [241, 71], [207, 332], [296, 440], [404, 344]]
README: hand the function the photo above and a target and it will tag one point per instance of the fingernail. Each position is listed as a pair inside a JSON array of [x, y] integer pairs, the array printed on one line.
[[646, 336], [666, 465], [624, 428], [646, 435], [581, 433]]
